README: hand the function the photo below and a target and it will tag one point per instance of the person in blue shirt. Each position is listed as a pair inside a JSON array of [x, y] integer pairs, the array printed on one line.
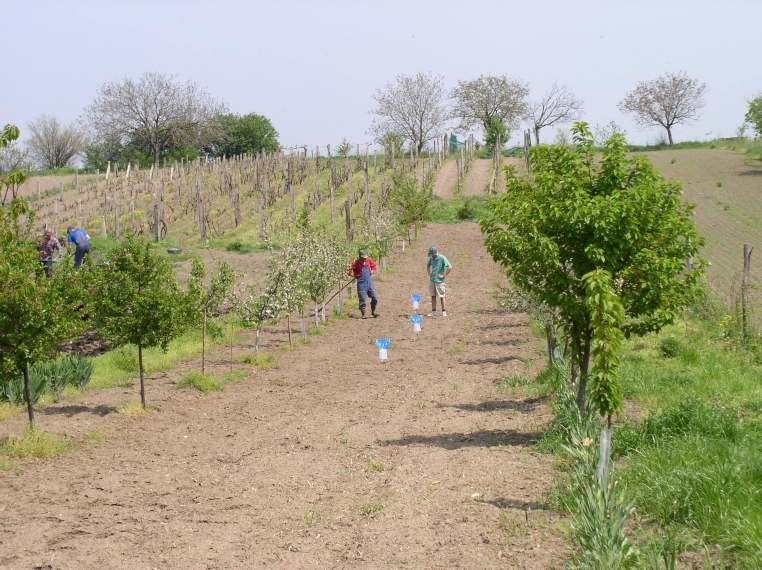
[[81, 241]]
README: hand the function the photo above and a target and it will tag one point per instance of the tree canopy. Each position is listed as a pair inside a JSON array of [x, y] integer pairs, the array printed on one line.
[[244, 134], [480, 101], [754, 114], [578, 215], [411, 106], [669, 100], [136, 300], [36, 312]]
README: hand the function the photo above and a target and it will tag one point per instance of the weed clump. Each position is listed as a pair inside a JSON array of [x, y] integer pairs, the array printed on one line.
[[371, 509], [201, 382], [260, 360], [133, 408], [34, 443]]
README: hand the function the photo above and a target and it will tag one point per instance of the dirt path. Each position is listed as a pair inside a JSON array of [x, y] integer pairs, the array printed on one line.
[[479, 175], [283, 470], [447, 179]]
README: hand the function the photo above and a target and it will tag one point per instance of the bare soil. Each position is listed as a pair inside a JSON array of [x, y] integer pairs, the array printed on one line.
[[331, 460], [446, 180]]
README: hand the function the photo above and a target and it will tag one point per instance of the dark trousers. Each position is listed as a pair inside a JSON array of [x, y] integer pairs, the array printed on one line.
[[47, 267], [79, 255], [364, 291]]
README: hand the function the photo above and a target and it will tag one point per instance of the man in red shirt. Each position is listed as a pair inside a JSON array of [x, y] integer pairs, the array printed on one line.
[[363, 269]]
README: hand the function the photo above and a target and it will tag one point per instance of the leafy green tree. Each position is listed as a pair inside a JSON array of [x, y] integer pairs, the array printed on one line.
[[244, 134], [495, 131], [36, 313], [580, 214], [754, 114], [412, 204], [204, 301], [136, 300], [14, 178]]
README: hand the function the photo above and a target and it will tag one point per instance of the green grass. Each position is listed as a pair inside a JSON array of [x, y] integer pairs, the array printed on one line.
[[119, 367], [6, 464], [95, 437], [694, 462], [371, 509], [375, 467], [201, 382], [260, 360], [752, 147], [133, 408], [34, 443], [458, 210]]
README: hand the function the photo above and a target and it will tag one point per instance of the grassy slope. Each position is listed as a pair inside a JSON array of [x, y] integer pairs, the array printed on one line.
[[726, 187]]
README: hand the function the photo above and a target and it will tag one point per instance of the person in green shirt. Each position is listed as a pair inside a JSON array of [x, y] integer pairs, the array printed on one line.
[[438, 268]]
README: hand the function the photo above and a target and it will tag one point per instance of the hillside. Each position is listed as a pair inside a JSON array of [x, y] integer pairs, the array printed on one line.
[[726, 188]]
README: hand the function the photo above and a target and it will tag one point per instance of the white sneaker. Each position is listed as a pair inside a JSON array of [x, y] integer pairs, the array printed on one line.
[[432, 314], [444, 313]]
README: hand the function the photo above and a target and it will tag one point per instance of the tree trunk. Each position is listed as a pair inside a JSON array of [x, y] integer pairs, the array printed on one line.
[[669, 135], [28, 396], [584, 367], [290, 340], [142, 375], [537, 135], [256, 344], [550, 339], [203, 344]]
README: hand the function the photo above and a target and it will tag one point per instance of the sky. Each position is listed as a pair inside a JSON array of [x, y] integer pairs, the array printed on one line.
[[313, 67]]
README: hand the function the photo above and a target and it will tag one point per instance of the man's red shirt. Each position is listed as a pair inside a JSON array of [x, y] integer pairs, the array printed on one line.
[[358, 264]]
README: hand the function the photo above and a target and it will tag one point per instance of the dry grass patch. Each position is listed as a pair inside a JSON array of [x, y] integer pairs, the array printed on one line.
[[133, 408]]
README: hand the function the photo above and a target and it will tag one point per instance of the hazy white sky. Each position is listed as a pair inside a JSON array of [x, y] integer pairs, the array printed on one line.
[[312, 67]]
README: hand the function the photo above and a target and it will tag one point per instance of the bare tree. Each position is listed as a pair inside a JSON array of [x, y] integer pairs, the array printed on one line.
[[559, 105], [53, 145], [155, 109], [412, 107], [489, 98], [669, 100], [13, 157], [602, 133]]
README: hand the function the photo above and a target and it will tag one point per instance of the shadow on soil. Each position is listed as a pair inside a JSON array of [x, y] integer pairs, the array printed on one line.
[[488, 438], [73, 410], [492, 360], [506, 342], [503, 503], [495, 326], [525, 406]]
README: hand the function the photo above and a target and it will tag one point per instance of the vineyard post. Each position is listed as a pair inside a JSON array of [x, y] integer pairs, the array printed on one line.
[[262, 228], [200, 209], [348, 218], [367, 186], [332, 185], [745, 290], [290, 190]]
